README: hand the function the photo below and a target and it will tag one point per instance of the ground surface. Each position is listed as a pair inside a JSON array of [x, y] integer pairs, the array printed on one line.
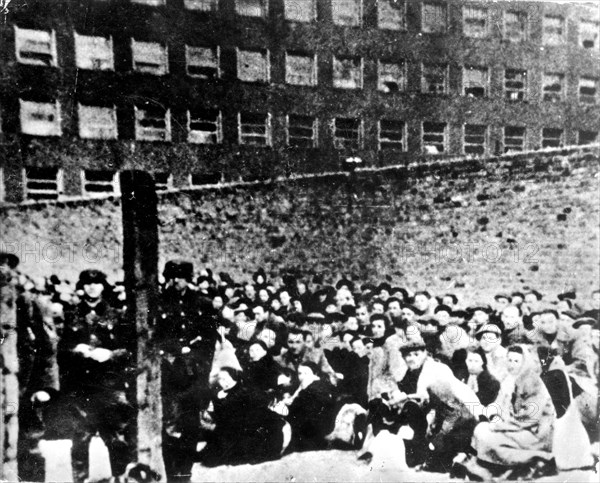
[[334, 465]]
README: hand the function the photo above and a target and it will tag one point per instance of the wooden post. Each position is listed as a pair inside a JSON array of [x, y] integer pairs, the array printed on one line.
[[140, 263], [9, 383]]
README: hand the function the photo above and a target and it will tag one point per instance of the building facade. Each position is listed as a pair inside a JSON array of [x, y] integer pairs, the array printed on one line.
[[202, 91]]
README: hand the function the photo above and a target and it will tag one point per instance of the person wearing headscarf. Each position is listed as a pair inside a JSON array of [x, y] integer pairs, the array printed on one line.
[[477, 376], [521, 437]]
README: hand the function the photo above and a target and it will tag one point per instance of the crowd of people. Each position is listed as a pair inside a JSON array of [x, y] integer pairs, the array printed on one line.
[[256, 368]]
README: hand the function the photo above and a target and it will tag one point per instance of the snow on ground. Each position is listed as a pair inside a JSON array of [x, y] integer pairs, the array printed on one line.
[[336, 465]]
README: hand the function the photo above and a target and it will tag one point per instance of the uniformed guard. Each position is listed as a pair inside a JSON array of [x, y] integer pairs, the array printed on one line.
[[96, 366]]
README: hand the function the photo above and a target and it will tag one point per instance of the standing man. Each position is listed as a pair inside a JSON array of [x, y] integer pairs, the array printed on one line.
[[96, 364]]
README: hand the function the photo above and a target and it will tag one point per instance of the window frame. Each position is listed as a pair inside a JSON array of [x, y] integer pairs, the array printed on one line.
[[113, 183], [581, 39], [523, 143], [486, 84], [360, 14], [523, 91], [391, 26], [486, 29], [264, 9], [201, 5], [549, 142], [391, 142], [340, 143], [312, 16], [113, 127], [81, 60], [549, 95], [444, 142], [582, 98], [267, 66], [139, 130], [486, 133], [315, 132], [218, 133], [217, 52], [444, 8], [163, 67], [596, 135], [55, 129], [523, 32], [20, 36], [314, 73], [401, 85], [54, 194], [268, 130], [546, 37], [445, 67]]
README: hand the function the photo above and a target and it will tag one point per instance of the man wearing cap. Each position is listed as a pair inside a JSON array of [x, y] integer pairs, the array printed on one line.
[[489, 337], [550, 331], [96, 364], [430, 386]]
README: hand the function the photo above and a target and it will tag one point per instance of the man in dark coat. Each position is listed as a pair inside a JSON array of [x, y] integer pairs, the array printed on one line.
[[96, 365], [311, 412]]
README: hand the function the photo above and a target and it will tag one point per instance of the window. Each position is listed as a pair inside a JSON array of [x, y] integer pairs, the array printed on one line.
[[515, 84], [588, 90], [202, 5], [201, 179], [42, 183], [515, 26], [475, 140], [475, 81], [253, 65], [97, 122], [254, 129], [588, 35], [391, 14], [36, 47], [553, 87], [347, 72], [435, 78], [552, 138], [347, 12], [99, 181], [300, 10], [150, 57], [433, 18], [514, 138], [391, 135], [434, 137], [301, 131], [163, 180], [554, 30], [204, 126], [475, 21], [40, 119], [347, 133], [94, 53], [587, 137], [202, 62], [252, 8], [152, 123], [300, 69], [152, 3], [391, 77]]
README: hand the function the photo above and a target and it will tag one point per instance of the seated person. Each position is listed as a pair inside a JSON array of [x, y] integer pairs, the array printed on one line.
[[522, 438]]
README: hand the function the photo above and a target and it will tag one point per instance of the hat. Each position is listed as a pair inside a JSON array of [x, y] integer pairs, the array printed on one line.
[[9, 259], [517, 294], [384, 286], [203, 279], [538, 295], [368, 287], [481, 307], [586, 321], [91, 276], [502, 296], [179, 269], [460, 314], [442, 308], [413, 345], [488, 328], [413, 309], [428, 321], [571, 295], [453, 297], [346, 282], [226, 278]]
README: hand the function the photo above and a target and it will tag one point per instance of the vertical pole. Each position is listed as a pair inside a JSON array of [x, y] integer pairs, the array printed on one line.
[[9, 384], [140, 260]]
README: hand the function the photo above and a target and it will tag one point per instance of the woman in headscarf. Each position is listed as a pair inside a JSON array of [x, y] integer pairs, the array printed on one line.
[[476, 375], [520, 440], [246, 431]]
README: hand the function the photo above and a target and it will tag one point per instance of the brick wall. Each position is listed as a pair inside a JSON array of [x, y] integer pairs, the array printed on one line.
[[476, 227]]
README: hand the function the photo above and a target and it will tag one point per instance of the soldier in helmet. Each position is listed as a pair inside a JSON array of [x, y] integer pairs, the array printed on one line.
[[95, 361]]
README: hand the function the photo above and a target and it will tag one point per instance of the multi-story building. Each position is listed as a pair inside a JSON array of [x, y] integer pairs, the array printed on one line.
[[198, 91]]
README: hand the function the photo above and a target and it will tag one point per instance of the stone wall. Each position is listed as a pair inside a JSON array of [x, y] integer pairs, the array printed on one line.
[[469, 226]]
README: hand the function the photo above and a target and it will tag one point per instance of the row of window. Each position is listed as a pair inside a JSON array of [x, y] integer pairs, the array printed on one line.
[[391, 15], [255, 129], [300, 68]]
